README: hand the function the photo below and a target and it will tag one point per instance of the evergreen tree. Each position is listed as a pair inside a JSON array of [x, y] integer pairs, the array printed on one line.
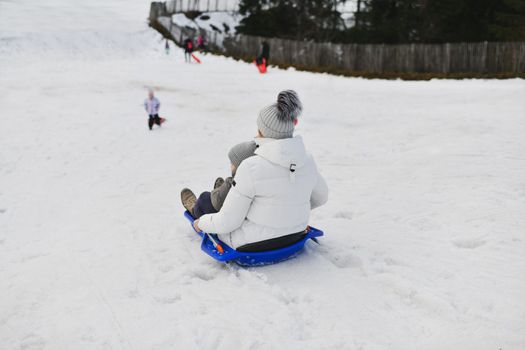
[[392, 21], [437, 21], [457, 20], [387, 21], [509, 21], [291, 19]]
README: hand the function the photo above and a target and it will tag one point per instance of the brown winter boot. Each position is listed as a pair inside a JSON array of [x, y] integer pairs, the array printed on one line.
[[188, 199], [218, 182]]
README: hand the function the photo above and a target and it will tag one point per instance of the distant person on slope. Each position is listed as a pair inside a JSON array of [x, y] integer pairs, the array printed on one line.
[[275, 190], [167, 47], [211, 202], [200, 44], [152, 106], [188, 49], [264, 57]]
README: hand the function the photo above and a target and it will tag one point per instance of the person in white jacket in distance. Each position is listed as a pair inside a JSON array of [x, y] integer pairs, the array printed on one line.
[[274, 191]]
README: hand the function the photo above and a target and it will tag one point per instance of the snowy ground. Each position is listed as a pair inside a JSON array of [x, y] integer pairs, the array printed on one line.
[[425, 227]]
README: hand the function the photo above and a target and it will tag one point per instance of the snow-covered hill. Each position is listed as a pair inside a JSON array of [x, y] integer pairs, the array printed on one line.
[[220, 22], [425, 232]]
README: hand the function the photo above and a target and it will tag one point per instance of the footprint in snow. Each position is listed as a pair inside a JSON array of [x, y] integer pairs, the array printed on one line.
[[348, 215], [344, 261], [168, 298], [468, 243], [166, 268], [340, 258], [133, 293], [202, 274], [32, 342], [393, 262]]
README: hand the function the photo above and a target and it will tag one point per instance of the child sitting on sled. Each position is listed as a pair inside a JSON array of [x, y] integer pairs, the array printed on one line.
[[211, 202]]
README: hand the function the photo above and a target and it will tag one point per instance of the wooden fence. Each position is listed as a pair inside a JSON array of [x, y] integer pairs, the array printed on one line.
[[485, 58], [177, 6]]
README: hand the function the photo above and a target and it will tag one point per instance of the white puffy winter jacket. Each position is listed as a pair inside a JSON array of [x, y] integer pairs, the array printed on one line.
[[273, 194]]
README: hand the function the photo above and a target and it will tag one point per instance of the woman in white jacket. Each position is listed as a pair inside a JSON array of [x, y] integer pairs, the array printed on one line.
[[274, 191]]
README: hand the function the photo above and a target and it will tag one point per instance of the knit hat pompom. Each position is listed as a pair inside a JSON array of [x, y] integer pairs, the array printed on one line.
[[289, 105], [278, 120]]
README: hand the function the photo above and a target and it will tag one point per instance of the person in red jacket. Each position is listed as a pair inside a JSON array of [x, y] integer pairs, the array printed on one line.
[[188, 49], [201, 45]]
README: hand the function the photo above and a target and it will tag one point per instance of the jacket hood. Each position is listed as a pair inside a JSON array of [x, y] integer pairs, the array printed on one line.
[[283, 152]]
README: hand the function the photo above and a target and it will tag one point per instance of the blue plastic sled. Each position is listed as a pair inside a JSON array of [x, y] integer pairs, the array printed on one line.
[[252, 259]]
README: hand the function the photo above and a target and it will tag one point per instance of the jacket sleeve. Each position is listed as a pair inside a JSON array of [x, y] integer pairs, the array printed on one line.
[[146, 105], [320, 192], [235, 207]]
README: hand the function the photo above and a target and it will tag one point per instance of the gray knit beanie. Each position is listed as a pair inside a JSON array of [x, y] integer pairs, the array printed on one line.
[[277, 121], [241, 151]]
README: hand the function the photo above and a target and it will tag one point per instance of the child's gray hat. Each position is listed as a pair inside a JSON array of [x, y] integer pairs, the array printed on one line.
[[277, 121], [241, 151]]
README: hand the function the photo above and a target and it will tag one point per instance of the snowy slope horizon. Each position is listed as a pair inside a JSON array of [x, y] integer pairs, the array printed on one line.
[[221, 22], [227, 22], [425, 239]]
